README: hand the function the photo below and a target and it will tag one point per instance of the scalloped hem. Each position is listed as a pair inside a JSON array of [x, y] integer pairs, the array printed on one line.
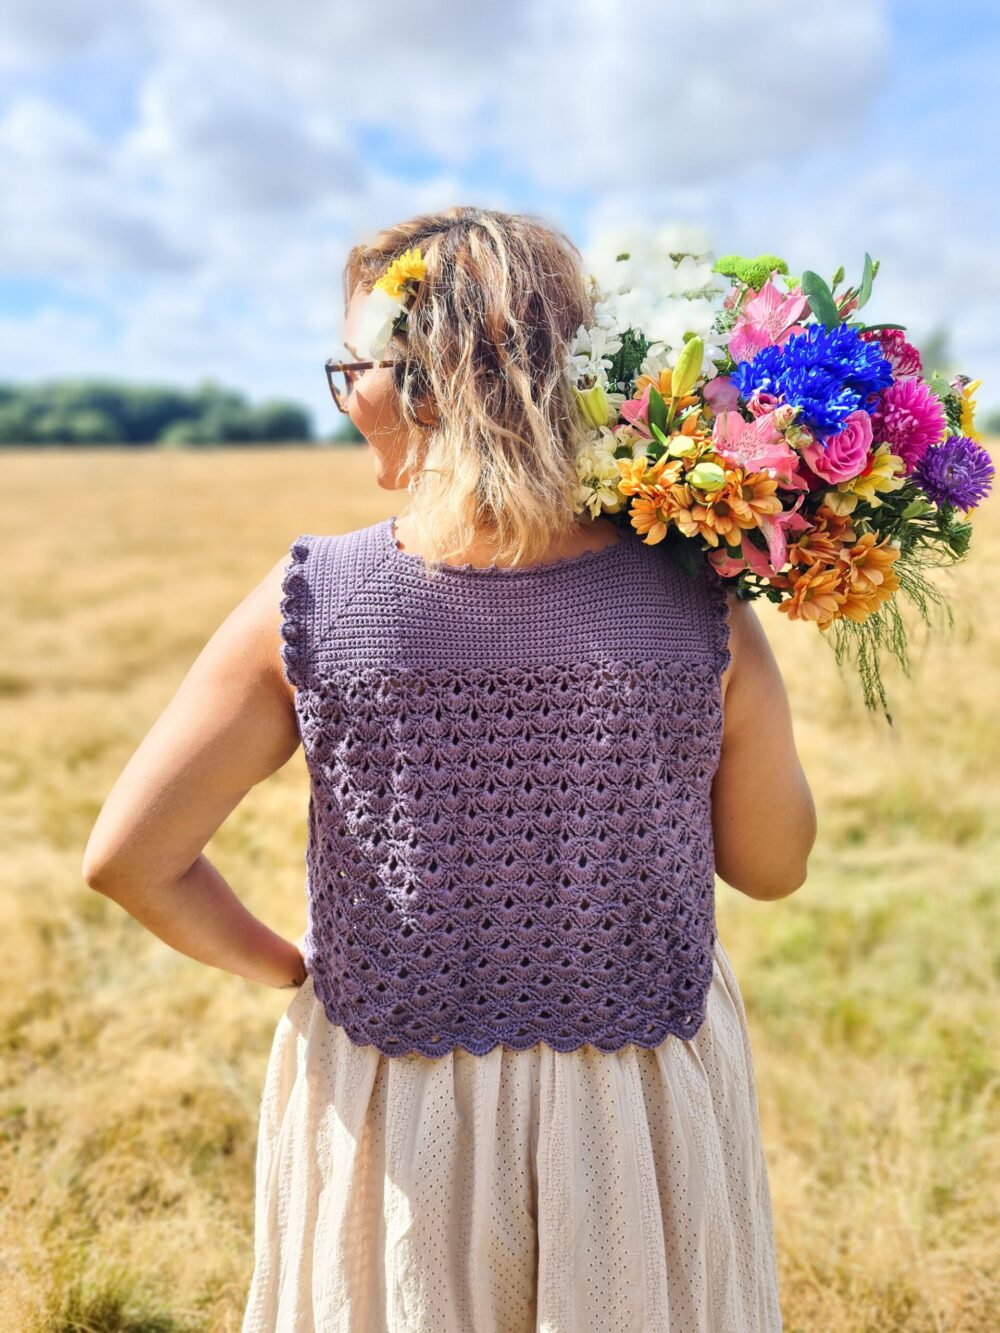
[[293, 608], [434, 1050]]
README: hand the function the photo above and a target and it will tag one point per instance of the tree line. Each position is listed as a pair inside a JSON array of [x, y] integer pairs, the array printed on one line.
[[89, 412]]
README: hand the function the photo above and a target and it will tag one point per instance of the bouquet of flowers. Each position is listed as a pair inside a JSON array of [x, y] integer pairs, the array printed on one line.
[[802, 453]]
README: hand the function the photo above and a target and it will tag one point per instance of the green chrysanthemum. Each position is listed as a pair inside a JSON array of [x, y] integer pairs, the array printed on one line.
[[753, 272]]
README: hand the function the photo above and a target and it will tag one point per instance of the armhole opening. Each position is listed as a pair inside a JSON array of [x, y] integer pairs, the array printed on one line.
[[718, 589], [293, 608]]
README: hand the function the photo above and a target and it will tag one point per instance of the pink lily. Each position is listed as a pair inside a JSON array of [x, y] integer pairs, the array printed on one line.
[[768, 320], [754, 446], [724, 563], [775, 528]]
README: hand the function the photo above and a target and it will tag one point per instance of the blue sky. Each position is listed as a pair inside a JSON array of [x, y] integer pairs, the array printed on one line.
[[180, 182]]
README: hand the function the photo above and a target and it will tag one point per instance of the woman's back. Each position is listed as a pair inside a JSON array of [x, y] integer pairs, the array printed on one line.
[[510, 827]]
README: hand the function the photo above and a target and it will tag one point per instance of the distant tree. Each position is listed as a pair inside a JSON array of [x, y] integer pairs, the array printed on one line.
[[935, 352], [16, 421], [280, 420], [77, 411]]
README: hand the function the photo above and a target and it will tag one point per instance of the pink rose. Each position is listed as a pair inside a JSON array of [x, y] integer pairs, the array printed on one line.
[[761, 403], [844, 455]]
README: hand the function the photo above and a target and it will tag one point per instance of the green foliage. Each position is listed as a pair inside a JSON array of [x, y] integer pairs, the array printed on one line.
[[820, 297], [106, 412], [657, 409], [682, 551], [626, 361], [865, 290], [884, 630]]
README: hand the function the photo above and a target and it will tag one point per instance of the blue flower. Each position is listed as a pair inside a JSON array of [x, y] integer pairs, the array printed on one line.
[[957, 471], [828, 373]]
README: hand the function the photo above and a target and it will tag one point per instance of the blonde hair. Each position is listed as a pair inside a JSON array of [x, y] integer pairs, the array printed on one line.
[[485, 349]]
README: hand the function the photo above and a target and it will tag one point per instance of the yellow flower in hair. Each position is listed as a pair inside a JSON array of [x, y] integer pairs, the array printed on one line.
[[403, 274]]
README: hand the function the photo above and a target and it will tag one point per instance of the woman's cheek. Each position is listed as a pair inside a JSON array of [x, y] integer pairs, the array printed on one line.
[[371, 409]]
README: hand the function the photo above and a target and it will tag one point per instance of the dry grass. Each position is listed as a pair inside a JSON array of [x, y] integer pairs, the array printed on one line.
[[131, 1075]]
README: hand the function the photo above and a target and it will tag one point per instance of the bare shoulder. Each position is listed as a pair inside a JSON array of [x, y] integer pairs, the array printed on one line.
[[259, 619]]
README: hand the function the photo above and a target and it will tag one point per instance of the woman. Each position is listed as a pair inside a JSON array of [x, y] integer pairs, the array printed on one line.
[[514, 1088]]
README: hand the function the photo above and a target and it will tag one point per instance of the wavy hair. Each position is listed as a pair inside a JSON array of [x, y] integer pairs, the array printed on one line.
[[484, 353]]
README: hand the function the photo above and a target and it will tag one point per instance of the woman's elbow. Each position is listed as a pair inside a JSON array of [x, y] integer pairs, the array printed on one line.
[[784, 867], [768, 889]]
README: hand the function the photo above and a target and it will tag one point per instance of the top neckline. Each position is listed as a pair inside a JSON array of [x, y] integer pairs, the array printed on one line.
[[564, 562]]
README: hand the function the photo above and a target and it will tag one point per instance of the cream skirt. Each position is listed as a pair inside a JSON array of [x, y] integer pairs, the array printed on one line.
[[565, 1192]]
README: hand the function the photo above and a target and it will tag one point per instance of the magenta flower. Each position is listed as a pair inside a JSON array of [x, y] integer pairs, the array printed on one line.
[[761, 403], [767, 320], [901, 355], [910, 418]]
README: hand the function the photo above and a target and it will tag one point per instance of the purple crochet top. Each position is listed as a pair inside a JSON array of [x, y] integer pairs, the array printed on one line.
[[509, 830]]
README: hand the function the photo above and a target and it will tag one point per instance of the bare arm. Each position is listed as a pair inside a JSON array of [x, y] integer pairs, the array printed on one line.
[[230, 725], [763, 816]]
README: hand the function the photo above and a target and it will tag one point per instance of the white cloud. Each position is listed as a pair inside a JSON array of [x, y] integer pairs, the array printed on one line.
[[35, 32], [214, 224], [65, 209]]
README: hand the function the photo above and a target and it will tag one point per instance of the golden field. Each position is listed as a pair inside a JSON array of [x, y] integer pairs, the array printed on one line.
[[132, 1075]]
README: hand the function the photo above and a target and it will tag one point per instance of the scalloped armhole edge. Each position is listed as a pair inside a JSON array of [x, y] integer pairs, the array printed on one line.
[[293, 608], [718, 590]]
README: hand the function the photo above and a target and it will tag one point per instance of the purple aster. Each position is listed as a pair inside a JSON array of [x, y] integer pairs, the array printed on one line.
[[958, 472]]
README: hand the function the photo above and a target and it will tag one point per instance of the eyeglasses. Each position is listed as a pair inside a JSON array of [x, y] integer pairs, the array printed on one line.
[[340, 376]]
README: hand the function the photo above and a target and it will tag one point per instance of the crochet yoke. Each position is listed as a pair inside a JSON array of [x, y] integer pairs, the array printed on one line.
[[509, 824]]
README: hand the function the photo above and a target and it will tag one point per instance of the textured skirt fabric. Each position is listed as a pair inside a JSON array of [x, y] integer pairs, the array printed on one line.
[[513, 1191]]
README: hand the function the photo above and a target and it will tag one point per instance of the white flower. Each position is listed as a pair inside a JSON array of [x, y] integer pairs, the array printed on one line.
[[591, 352], [615, 274], [636, 284], [598, 475], [378, 313], [655, 360]]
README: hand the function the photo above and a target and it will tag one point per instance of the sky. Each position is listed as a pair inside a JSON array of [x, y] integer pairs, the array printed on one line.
[[181, 180]]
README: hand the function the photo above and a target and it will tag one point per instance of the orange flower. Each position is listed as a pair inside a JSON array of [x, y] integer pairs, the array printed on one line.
[[730, 511], [638, 474], [823, 544], [691, 427], [816, 596], [867, 575], [651, 516], [755, 494]]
